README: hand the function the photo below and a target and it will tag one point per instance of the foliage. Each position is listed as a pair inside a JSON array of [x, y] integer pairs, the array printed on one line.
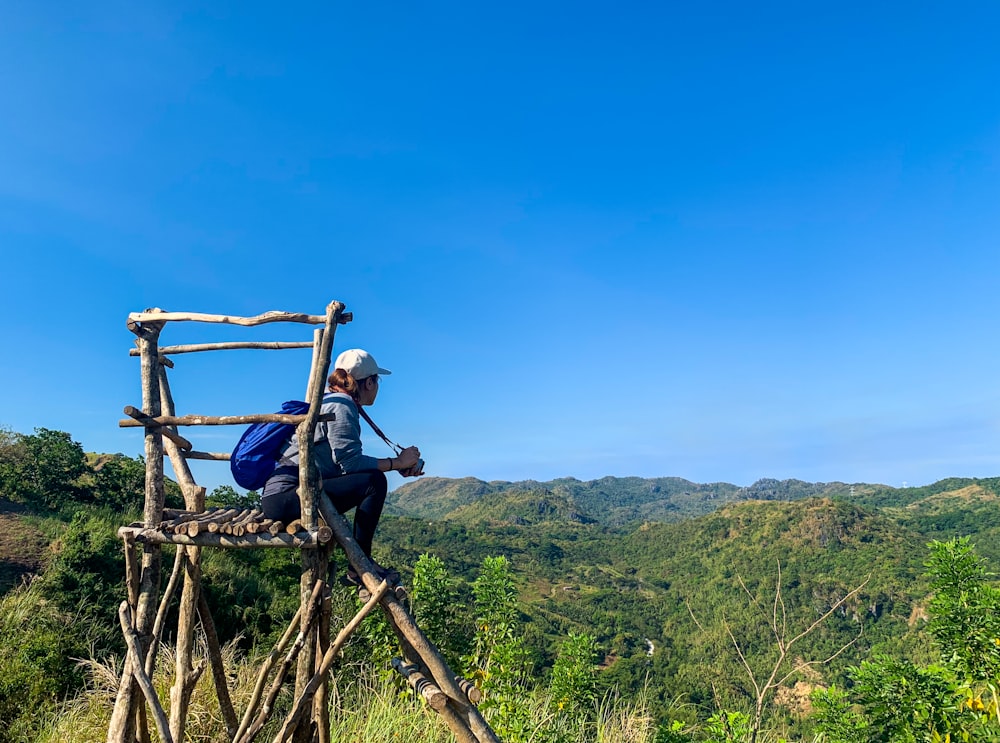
[[87, 573], [574, 674], [41, 469], [119, 482], [500, 660], [729, 727], [965, 610], [436, 609], [226, 495], [252, 593], [40, 644], [898, 701]]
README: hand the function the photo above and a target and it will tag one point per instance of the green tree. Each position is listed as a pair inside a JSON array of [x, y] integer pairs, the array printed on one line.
[[965, 610], [226, 495], [87, 573], [41, 470], [119, 482], [500, 660], [574, 675], [437, 609], [897, 701]]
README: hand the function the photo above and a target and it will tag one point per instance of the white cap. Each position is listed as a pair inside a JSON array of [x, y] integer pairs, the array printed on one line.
[[359, 364]]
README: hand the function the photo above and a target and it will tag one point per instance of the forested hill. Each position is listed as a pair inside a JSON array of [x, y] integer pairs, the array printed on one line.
[[612, 501], [662, 577]]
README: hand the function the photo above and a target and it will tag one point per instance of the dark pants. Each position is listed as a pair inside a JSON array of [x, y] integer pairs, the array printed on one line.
[[364, 491]]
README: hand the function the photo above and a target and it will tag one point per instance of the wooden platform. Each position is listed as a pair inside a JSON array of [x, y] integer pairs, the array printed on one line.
[[231, 528]]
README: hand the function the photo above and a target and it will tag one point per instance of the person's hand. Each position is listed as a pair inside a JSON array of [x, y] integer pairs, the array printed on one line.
[[407, 458], [410, 472]]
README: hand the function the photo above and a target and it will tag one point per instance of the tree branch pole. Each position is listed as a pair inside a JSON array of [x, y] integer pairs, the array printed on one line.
[[403, 623], [435, 698], [140, 675], [121, 728], [137, 420], [158, 315], [131, 570], [212, 456], [218, 667], [196, 347], [185, 674], [314, 566]]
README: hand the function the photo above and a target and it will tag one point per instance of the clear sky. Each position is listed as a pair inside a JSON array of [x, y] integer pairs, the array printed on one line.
[[720, 241]]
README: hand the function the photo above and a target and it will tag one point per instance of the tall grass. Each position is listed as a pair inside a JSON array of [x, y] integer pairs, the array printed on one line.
[[365, 707]]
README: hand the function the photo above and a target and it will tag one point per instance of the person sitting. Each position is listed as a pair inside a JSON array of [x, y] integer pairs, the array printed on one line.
[[351, 478]]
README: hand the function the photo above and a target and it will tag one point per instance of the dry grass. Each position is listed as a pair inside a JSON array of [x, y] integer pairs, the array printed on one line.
[[366, 707]]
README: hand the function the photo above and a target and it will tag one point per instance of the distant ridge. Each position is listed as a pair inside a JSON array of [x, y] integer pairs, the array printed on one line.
[[612, 501]]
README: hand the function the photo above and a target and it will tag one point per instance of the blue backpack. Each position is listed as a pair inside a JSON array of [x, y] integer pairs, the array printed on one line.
[[256, 453]]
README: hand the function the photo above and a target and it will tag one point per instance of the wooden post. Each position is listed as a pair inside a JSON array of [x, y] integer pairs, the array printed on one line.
[[292, 722], [265, 669], [315, 563], [218, 669], [185, 674], [140, 675], [121, 728]]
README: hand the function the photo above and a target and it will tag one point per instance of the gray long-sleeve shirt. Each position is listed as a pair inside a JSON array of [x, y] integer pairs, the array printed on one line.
[[337, 449]]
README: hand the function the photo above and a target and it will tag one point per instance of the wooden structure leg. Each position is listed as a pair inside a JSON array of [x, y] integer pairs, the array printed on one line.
[[466, 718]]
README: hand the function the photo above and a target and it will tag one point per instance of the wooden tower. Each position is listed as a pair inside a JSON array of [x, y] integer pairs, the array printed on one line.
[[307, 642]]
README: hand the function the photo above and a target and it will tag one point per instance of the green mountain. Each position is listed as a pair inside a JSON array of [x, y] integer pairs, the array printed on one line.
[[522, 508], [611, 500], [662, 598]]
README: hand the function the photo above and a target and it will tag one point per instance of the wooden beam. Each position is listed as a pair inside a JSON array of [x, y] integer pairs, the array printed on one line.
[[137, 318], [216, 456], [141, 419], [304, 698], [138, 418], [196, 347], [466, 715], [435, 698]]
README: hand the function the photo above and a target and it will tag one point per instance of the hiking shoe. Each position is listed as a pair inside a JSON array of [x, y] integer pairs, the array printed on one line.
[[351, 578]]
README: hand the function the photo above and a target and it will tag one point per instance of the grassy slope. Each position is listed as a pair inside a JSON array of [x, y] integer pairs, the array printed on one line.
[[24, 547]]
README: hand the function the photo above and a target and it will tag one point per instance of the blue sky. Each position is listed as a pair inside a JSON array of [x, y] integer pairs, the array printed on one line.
[[721, 243]]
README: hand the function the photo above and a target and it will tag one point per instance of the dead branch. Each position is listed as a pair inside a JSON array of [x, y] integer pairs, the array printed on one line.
[[196, 347], [159, 316]]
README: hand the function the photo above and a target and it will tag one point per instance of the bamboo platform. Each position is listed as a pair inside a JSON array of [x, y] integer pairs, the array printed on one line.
[[230, 528]]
